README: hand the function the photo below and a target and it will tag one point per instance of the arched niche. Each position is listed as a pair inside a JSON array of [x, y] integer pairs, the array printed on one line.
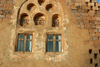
[[39, 19], [41, 1], [31, 6], [56, 20], [49, 7], [24, 19]]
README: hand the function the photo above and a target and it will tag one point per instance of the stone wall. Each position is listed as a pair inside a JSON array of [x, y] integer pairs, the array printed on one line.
[[79, 26], [87, 14]]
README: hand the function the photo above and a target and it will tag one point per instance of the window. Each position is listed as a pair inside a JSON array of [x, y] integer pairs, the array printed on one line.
[[39, 19], [91, 61], [86, 3], [95, 4], [90, 51], [90, 0], [95, 56], [53, 43], [24, 43], [56, 20], [24, 21], [96, 65]]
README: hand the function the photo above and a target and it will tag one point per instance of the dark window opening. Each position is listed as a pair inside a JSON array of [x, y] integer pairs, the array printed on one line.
[[86, 3], [99, 51], [24, 20], [90, 0], [91, 61], [56, 20], [95, 11], [95, 56], [94, 4], [91, 7], [88, 10], [39, 19], [30, 6], [90, 51], [98, 6], [96, 65], [41, 1]]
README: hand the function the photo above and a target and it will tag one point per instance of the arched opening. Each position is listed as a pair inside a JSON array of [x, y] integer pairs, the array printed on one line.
[[24, 19], [49, 7], [31, 6], [41, 1], [56, 20], [39, 19]]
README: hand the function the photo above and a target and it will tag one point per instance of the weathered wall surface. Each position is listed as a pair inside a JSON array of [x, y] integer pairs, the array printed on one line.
[[78, 36]]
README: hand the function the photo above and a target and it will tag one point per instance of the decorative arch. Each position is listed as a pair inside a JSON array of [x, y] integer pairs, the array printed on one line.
[[39, 19], [56, 20], [24, 19]]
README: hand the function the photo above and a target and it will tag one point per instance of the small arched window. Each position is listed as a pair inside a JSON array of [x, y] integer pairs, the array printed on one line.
[[55, 20], [24, 19], [39, 19]]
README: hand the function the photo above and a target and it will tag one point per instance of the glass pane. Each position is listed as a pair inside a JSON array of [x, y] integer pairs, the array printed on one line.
[[50, 36], [19, 36], [22, 36], [30, 46], [58, 46], [49, 46], [22, 42], [27, 46], [58, 37], [18, 45], [29, 36]]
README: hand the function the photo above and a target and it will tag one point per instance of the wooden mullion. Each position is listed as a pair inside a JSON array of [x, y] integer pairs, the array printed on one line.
[[54, 43], [24, 47]]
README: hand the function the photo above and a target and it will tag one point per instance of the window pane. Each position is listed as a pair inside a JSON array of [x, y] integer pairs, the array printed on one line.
[[50, 36], [58, 37], [18, 45], [22, 36], [22, 42], [19, 36], [58, 46], [27, 46], [49, 46], [30, 46], [29, 36]]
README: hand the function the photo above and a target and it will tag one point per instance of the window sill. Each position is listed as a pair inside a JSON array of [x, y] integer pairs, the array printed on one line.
[[23, 52], [53, 53]]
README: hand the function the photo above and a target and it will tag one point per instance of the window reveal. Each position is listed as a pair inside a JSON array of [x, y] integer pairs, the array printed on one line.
[[24, 43], [53, 43]]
